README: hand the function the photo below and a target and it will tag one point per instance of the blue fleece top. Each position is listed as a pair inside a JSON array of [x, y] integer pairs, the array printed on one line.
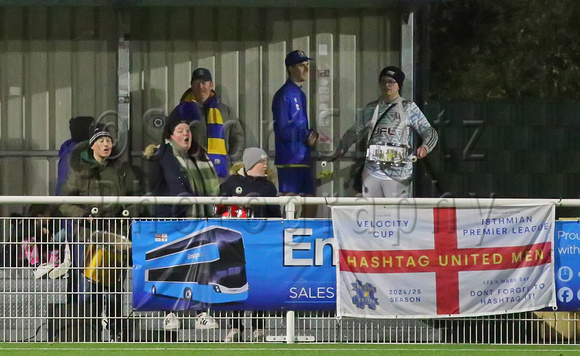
[[291, 126]]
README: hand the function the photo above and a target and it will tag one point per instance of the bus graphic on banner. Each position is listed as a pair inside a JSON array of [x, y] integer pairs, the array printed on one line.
[[207, 266]]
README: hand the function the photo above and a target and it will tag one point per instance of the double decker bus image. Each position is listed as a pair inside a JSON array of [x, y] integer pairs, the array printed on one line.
[[207, 266]]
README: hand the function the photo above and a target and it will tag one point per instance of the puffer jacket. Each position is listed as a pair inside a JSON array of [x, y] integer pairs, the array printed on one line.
[[87, 177]]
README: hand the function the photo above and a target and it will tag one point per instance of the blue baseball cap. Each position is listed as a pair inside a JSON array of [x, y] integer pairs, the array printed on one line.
[[295, 57]]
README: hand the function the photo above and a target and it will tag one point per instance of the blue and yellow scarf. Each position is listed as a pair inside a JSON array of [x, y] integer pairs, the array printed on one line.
[[216, 143]]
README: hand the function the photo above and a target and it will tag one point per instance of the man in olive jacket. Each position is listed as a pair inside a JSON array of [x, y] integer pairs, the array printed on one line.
[[94, 173]]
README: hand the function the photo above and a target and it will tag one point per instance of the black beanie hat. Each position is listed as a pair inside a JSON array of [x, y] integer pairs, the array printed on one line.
[[394, 72], [80, 128], [185, 112], [99, 131]]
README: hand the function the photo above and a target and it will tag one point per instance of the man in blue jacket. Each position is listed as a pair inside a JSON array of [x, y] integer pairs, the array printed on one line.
[[294, 138]]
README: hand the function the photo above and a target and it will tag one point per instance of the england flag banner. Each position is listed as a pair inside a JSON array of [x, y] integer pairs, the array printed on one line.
[[412, 262]]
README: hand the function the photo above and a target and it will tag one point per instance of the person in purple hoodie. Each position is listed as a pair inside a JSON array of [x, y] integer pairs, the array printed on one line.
[[79, 132]]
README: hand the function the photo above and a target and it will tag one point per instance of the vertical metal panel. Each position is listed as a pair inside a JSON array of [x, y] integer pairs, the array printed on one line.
[[12, 132], [230, 79], [324, 104], [251, 77], [205, 37], [143, 131], [407, 63], [62, 76], [349, 29], [105, 51], [276, 78], [251, 97], [156, 57], [84, 63], [229, 69], [180, 29], [371, 38], [407, 56], [37, 128], [278, 30]]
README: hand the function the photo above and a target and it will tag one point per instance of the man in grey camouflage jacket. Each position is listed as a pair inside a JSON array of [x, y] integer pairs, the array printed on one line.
[[390, 121]]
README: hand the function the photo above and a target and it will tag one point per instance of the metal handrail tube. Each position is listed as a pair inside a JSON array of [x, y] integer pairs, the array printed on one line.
[[284, 200]]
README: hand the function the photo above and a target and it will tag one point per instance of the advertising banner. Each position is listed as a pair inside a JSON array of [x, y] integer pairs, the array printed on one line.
[[567, 265], [431, 262], [233, 264]]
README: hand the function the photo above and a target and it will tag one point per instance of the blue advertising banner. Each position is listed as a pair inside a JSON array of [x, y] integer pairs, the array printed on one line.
[[233, 264], [287, 264], [567, 265]]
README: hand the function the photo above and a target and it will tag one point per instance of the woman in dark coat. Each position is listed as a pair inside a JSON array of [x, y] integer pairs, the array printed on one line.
[[180, 167]]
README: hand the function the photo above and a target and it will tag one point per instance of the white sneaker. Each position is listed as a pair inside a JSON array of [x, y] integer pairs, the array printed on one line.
[[171, 322], [205, 321], [233, 336], [60, 270], [259, 335], [43, 269], [104, 321]]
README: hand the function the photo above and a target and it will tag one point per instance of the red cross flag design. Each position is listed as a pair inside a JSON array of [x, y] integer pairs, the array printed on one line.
[[446, 260]]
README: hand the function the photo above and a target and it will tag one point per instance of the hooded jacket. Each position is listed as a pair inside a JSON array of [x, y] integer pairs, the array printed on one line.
[[87, 177]]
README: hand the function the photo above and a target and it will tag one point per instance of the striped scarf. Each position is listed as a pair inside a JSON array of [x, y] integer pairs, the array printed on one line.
[[216, 133], [202, 178]]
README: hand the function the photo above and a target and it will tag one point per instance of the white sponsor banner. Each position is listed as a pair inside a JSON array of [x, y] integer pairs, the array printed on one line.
[[436, 262]]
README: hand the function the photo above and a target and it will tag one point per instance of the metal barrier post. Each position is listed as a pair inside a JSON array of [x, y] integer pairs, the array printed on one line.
[[290, 328], [290, 213], [290, 210]]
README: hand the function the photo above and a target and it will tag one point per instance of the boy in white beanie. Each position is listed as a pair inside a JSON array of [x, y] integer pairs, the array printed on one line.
[[253, 181]]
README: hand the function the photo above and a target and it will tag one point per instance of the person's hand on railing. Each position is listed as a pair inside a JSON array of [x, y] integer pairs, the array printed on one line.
[[336, 155]]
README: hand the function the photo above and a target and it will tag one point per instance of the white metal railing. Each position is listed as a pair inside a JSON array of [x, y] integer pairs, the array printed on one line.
[[283, 200], [34, 309], [289, 202]]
